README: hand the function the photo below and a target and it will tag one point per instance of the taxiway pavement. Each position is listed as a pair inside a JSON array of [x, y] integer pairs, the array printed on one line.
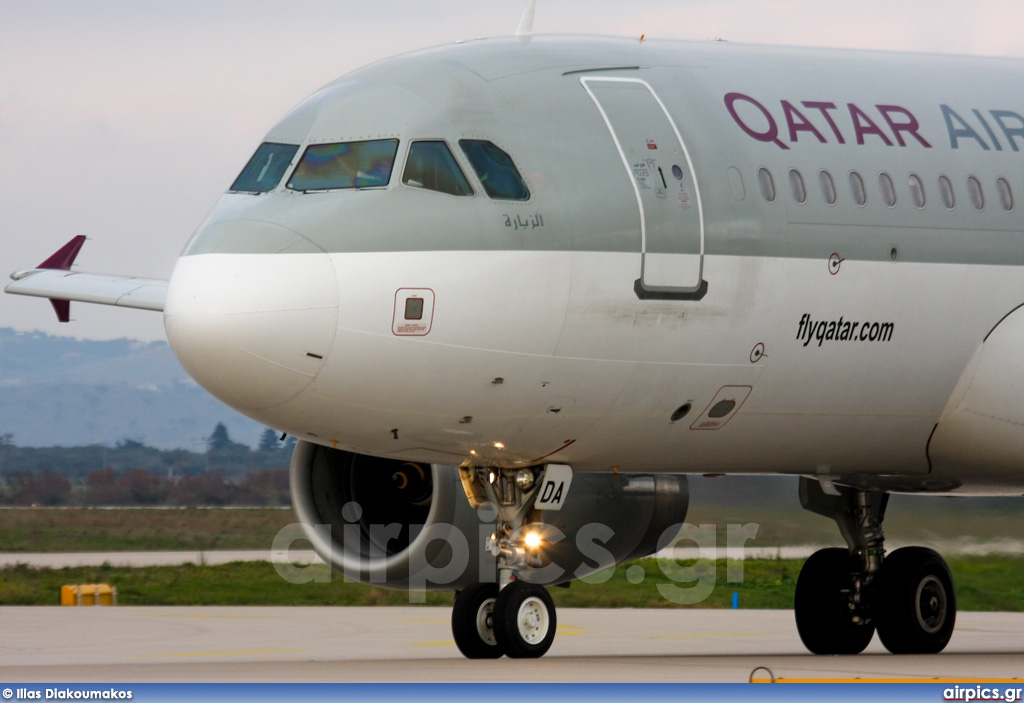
[[393, 644]]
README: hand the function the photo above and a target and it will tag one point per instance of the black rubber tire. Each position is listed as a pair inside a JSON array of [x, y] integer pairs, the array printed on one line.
[[915, 602], [524, 620], [822, 614], [472, 621]]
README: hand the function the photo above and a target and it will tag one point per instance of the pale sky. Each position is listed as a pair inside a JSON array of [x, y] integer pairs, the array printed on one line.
[[126, 120]]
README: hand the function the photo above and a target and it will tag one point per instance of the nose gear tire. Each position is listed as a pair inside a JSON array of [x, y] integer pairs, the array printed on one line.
[[472, 622], [525, 621]]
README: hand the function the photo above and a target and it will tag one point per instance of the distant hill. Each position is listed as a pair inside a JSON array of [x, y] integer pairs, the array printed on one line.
[[69, 392]]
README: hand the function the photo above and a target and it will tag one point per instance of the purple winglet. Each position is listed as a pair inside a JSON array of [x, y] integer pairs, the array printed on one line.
[[62, 308], [61, 261], [65, 256]]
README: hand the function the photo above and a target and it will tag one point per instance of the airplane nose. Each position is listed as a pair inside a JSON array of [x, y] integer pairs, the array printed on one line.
[[253, 329]]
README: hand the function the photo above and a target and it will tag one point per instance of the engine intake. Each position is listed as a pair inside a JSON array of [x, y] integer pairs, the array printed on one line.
[[404, 525], [387, 522]]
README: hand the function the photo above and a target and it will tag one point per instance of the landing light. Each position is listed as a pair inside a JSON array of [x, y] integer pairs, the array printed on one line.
[[532, 540]]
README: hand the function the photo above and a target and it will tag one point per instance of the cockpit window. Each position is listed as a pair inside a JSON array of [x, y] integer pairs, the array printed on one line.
[[265, 169], [431, 166], [495, 169], [345, 165]]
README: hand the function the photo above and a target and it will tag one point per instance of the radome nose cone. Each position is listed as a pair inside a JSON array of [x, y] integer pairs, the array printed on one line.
[[252, 329]]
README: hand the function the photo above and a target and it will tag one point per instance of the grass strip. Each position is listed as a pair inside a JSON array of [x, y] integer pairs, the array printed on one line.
[[142, 529], [987, 583]]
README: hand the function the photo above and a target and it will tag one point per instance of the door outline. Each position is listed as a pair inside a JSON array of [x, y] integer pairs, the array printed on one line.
[[690, 292]]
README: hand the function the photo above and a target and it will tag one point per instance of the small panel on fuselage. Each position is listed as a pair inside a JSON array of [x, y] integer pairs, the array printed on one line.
[[414, 312]]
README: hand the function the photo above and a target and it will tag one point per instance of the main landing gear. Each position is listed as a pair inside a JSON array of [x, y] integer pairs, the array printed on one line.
[[511, 618], [843, 596]]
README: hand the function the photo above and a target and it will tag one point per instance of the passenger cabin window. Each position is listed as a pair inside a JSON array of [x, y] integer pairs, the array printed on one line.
[[916, 190], [1005, 194], [974, 190], [946, 191], [888, 189], [860, 196], [796, 182], [828, 187], [767, 184], [265, 169], [495, 169], [431, 166], [345, 165]]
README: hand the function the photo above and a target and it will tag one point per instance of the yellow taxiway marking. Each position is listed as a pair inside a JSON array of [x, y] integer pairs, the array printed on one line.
[[921, 680], [218, 654], [422, 620], [562, 630], [709, 634], [206, 617]]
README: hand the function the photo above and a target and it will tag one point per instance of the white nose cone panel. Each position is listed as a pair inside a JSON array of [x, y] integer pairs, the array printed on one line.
[[252, 329]]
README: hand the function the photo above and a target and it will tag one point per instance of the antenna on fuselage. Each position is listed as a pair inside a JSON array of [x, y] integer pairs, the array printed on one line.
[[525, 28]]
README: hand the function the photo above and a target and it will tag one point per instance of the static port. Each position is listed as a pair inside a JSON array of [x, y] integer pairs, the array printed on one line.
[[681, 412]]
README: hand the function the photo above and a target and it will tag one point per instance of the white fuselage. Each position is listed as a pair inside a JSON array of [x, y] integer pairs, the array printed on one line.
[[572, 327]]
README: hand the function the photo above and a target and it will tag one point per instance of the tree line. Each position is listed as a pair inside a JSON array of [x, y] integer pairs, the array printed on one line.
[[132, 474]]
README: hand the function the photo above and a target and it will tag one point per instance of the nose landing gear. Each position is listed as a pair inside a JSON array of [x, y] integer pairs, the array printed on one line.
[[516, 619]]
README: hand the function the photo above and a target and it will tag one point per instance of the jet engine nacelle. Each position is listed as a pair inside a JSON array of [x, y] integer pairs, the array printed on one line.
[[979, 430], [607, 519], [404, 525]]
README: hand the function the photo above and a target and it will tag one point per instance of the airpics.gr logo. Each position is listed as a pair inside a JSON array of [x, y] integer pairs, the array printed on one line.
[[980, 693], [842, 330]]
